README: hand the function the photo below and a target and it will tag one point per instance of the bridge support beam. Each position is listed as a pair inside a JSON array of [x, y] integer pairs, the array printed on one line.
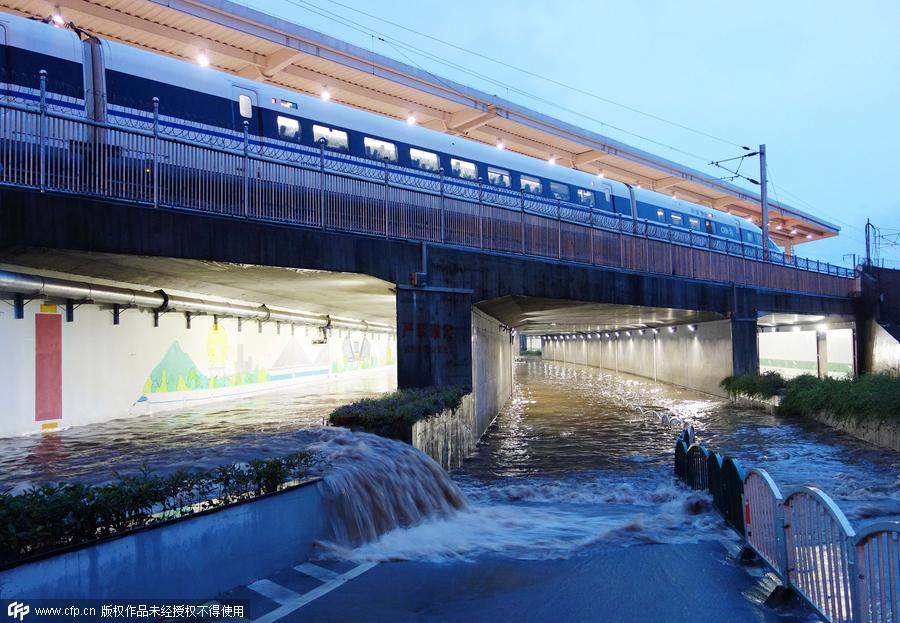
[[434, 337], [744, 346]]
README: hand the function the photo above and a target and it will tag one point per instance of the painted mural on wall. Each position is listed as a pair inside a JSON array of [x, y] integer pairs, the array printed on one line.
[[226, 370]]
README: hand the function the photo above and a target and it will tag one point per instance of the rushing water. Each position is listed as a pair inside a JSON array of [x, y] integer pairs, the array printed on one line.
[[269, 424], [566, 465]]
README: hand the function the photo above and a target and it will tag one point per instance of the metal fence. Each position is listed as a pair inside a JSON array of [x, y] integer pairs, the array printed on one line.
[[806, 539], [275, 181]]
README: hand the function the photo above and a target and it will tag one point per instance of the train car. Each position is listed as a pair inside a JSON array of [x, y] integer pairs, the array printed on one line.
[[206, 106]]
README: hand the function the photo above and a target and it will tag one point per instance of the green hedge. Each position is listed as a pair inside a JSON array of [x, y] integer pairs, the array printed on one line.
[[762, 386], [868, 396], [401, 408], [49, 517]]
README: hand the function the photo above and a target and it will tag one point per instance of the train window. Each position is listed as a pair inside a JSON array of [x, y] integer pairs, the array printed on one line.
[[585, 197], [498, 177], [424, 159], [531, 184], [463, 169], [694, 222], [288, 128], [676, 219], [661, 215], [560, 191], [334, 139], [245, 106], [380, 150]]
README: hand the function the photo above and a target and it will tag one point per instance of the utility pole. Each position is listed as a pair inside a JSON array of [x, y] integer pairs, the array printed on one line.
[[764, 201]]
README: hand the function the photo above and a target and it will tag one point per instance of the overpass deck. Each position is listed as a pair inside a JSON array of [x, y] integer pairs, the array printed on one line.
[[42, 150]]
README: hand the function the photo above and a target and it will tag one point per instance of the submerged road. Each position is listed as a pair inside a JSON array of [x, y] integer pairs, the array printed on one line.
[[573, 515]]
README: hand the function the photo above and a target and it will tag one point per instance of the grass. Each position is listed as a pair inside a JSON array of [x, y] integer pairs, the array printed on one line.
[[762, 386], [402, 408], [49, 517], [870, 396]]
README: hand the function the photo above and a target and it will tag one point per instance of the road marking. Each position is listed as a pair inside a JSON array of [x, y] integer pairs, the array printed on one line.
[[301, 600], [315, 571], [275, 592]]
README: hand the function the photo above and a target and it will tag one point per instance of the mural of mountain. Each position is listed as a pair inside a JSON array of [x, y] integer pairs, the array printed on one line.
[[292, 356], [176, 372]]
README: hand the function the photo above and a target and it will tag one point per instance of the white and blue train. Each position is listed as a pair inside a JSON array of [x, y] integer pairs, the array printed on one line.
[[116, 83]]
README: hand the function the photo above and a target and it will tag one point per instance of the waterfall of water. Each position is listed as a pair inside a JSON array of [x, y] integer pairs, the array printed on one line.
[[373, 485]]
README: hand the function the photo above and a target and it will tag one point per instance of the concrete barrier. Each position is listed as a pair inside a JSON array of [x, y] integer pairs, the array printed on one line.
[[199, 555], [450, 436], [879, 432]]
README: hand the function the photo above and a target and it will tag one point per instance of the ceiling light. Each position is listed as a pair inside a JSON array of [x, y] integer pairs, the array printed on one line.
[[326, 95], [551, 160], [809, 236], [203, 59], [500, 145], [822, 328], [692, 327], [411, 119], [601, 175], [673, 329], [628, 333], [617, 334], [778, 228], [57, 19], [655, 331], [793, 232], [641, 331]]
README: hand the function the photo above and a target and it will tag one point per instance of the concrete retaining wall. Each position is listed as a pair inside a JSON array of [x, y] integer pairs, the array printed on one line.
[[492, 368], [884, 434], [449, 437], [694, 359], [205, 554]]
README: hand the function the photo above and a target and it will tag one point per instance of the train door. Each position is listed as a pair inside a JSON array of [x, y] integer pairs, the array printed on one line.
[[245, 107]]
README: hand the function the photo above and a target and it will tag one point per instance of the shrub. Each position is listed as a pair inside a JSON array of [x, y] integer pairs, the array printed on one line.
[[401, 408], [48, 517], [764, 385], [868, 396]]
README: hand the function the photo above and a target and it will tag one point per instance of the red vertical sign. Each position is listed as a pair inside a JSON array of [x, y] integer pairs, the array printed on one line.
[[47, 367]]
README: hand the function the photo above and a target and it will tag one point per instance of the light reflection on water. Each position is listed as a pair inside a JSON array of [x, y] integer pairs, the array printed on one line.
[[561, 425]]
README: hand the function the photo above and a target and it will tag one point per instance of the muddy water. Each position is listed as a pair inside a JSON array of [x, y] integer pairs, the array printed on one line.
[[566, 466], [270, 424]]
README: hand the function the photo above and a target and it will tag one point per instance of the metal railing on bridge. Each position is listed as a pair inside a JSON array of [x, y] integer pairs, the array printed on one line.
[[846, 576], [45, 148]]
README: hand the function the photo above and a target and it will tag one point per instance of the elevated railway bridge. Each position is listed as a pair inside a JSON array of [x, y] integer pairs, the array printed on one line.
[[451, 268]]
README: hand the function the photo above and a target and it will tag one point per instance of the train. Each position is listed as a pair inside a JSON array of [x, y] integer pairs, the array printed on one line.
[[116, 83]]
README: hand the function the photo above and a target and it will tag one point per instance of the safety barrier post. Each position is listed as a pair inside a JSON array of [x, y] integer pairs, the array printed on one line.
[[558, 229], [480, 213], [591, 231], [522, 217], [386, 191], [647, 245], [671, 253], [42, 155], [246, 169], [441, 171], [155, 152], [322, 183]]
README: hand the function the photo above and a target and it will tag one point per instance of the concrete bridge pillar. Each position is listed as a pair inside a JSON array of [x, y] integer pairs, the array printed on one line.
[[744, 346], [434, 337]]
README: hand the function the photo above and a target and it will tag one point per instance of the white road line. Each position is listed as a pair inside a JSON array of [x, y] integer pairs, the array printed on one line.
[[275, 592], [315, 571], [319, 591]]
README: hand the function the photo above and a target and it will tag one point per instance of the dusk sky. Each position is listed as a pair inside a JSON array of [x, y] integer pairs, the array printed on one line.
[[814, 81]]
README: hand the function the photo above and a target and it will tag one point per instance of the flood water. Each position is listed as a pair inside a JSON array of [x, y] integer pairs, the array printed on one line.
[[564, 466]]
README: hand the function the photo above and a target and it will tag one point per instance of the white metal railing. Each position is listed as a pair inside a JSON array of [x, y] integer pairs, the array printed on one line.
[[809, 543], [57, 152]]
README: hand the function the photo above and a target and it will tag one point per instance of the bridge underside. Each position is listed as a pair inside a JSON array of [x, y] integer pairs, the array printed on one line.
[[453, 309]]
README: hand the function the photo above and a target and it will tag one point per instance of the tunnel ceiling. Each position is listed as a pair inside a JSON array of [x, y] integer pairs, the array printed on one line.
[[548, 316], [339, 294]]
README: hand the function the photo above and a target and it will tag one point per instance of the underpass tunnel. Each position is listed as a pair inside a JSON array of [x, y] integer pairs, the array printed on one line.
[[92, 337], [796, 344]]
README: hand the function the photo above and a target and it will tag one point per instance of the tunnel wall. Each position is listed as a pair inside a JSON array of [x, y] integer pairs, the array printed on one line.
[[697, 360], [55, 374], [492, 368]]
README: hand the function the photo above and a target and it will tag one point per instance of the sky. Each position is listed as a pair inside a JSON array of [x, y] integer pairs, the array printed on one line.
[[817, 82]]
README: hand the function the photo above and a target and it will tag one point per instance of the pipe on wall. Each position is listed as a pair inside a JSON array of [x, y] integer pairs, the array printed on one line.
[[161, 301]]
